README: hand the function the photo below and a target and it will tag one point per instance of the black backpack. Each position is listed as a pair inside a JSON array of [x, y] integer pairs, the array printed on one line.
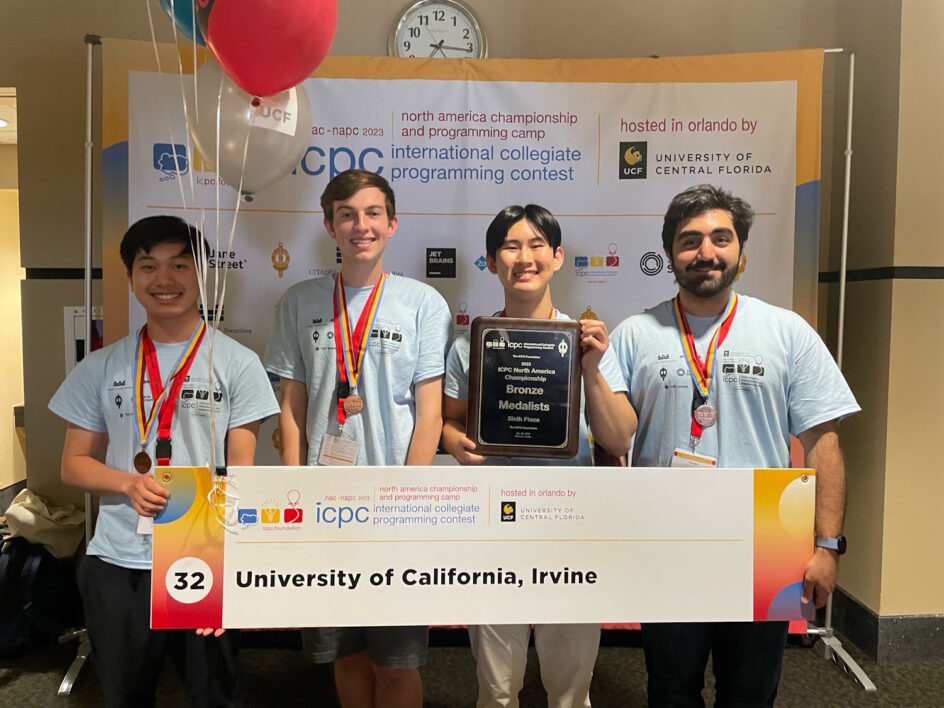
[[39, 598]]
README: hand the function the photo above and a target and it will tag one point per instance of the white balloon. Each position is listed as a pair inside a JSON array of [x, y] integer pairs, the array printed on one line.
[[279, 128]]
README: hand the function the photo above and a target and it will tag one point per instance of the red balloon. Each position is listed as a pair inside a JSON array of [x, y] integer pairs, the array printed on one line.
[[268, 46]]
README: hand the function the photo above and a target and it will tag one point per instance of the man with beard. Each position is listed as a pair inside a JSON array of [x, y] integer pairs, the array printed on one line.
[[784, 382]]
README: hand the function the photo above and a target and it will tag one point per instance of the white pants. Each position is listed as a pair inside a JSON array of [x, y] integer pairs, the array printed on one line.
[[567, 653]]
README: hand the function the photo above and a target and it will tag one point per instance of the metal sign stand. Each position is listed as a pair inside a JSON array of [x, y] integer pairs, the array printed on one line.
[[829, 643]]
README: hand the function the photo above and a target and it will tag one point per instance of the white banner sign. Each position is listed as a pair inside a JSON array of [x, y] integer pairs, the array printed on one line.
[[407, 546]]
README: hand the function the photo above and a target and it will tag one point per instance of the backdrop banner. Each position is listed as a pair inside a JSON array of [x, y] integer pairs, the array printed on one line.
[[604, 144]]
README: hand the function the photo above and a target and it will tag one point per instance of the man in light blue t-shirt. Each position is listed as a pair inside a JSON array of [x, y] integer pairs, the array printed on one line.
[[770, 376], [107, 401], [523, 247], [380, 406]]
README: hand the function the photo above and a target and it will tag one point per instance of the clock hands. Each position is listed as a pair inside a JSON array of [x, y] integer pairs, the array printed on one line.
[[437, 46], [441, 45]]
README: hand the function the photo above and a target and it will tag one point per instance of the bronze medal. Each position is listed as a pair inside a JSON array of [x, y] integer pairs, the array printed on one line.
[[353, 404], [142, 463], [705, 415]]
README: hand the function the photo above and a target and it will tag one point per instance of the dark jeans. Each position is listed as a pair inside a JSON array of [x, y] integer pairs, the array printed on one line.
[[747, 658], [128, 654]]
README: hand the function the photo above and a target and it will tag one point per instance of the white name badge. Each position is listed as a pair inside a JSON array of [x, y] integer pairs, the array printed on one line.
[[145, 525], [686, 458], [338, 451]]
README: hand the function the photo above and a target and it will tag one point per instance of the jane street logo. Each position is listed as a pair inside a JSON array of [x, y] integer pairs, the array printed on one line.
[[632, 160], [508, 509], [440, 263]]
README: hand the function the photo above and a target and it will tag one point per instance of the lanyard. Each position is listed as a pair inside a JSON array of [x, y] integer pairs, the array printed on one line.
[[704, 414], [352, 346], [163, 399]]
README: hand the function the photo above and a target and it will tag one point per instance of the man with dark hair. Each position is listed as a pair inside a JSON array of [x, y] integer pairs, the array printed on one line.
[[125, 396], [145, 234], [700, 199], [523, 249], [360, 363], [785, 382]]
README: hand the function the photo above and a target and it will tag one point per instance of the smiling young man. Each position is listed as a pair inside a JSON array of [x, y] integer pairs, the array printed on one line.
[[378, 405], [783, 381], [523, 250], [109, 400]]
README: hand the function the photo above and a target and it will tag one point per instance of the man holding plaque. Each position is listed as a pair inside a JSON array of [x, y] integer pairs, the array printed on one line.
[[147, 397], [757, 374], [523, 249], [360, 360]]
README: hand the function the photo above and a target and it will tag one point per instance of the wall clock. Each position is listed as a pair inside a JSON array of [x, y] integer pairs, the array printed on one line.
[[439, 29]]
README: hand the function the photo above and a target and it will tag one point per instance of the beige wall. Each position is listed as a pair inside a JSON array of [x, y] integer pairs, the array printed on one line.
[[897, 54], [12, 449], [914, 485], [873, 29], [8, 179]]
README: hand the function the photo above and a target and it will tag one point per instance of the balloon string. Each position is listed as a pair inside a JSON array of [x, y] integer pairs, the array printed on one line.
[[170, 130], [183, 96], [199, 254]]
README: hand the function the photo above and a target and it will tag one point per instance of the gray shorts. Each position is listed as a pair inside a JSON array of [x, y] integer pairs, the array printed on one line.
[[392, 647]]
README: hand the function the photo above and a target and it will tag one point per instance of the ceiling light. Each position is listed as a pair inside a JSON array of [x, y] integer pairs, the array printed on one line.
[[3, 123]]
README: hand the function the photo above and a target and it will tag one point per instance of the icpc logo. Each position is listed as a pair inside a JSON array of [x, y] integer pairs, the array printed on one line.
[[341, 515], [462, 315], [171, 159], [598, 265]]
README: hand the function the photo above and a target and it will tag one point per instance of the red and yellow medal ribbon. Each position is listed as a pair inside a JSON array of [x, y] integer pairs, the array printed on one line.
[[703, 372], [352, 346], [163, 400]]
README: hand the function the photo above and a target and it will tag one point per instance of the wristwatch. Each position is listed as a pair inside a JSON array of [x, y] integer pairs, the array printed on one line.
[[833, 543]]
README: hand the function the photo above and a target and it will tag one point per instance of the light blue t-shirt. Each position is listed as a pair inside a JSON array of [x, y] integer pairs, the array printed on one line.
[[456, 386], [98, 396], [408, 343], [775, 378]]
